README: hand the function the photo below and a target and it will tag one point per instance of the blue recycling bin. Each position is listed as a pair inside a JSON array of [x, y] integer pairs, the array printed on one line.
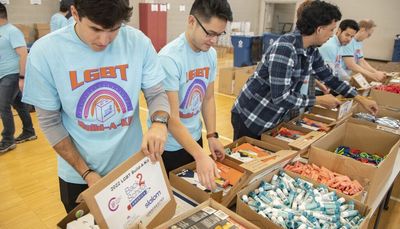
[[396, 50], [268, 39], [242, 50]]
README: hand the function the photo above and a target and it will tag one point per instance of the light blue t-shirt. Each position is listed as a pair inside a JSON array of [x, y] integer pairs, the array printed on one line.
[[189, 73], [353, 49], [331, 53], [97, 92], [57, 21], [10, 39]]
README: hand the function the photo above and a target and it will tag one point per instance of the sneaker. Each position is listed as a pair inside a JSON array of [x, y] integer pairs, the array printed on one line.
[[25, 137], [4, 147]]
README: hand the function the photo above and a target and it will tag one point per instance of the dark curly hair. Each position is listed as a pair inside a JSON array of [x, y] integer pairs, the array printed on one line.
[[3, 11], [348, 23], [106, 13], [206, 9], [315, 14]]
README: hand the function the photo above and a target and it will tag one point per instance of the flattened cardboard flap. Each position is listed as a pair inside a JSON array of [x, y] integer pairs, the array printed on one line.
[[137, 190]]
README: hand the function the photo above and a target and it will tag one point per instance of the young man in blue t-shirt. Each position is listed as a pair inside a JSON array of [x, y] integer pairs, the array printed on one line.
[[13, 54], [59, 19], [85, 80], [353, 56], [331, 50], [190, 65]]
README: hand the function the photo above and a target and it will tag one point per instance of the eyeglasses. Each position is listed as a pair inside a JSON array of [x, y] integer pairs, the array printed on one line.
[[208, 34]]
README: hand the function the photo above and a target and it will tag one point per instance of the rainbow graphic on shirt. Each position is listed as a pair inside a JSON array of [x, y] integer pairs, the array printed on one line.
[[102, 106], [191, 104]]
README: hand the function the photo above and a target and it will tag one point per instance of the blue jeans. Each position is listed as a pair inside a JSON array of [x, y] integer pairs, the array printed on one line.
[[10, 95]]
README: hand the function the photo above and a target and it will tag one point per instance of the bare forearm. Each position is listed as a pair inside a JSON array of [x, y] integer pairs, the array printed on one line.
[[209, 114], [22, 62], [67, 150], [183, 137], [366, 65], [358, 69]]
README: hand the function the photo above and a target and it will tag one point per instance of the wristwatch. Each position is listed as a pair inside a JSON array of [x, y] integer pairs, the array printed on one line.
[[160, 119], [213, 135]]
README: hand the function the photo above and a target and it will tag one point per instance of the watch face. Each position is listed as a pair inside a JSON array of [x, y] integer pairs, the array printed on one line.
[[161, 119]]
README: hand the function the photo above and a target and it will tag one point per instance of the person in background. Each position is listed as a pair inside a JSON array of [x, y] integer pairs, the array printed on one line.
[[269, 96], [353, 56], [12, 72], [190, 65], [59, 19], [89, 110], [331, 50]]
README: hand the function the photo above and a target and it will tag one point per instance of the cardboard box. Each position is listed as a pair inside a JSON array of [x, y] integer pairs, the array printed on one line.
[[361, 196], [28, 31], [365, 139], [135, 190], [42, 29], [241, 77], [246, 212], [329, 122], [216, 206], [340, 114], [251, 171], [221, 51], [383, 111], [301, 144], [264, 145], [226, 79], [385, 98]]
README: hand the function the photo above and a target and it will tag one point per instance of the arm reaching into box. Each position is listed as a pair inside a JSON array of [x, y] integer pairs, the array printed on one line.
[[57, 135]]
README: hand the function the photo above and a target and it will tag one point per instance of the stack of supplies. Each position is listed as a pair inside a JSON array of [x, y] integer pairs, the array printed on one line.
[[393, 88], [295, 203], [83, 221], [208, 218], [287, 135], [247, 152], [384, 121], [228, 178], [312, 124], [327, 177], [358, 155]]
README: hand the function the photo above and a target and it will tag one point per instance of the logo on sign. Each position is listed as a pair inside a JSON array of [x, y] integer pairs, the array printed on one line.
[[113, 204]]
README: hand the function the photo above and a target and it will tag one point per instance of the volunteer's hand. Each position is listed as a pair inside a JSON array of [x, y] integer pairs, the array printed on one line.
[[379, 76], [207, 171], [92, 178], [21, 84], [154, 141], [329, 101], [216, 149], [322, 87], [368, 104]]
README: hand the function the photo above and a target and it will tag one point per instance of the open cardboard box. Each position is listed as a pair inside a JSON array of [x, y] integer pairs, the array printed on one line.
[[246, 212], [361, 196], [232, 79], [251, 171], [241, 76], [213, 204], [366, 139], [385, 98], [329, 122], [383, 111], [301, 144], [226, 77], [340, 114], [137, 190]]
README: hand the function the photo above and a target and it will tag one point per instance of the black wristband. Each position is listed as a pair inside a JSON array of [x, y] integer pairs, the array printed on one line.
[[84, 174], [21, 77]]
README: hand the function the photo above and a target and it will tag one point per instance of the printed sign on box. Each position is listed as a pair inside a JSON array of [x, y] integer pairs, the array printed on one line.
[[136, 192]]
